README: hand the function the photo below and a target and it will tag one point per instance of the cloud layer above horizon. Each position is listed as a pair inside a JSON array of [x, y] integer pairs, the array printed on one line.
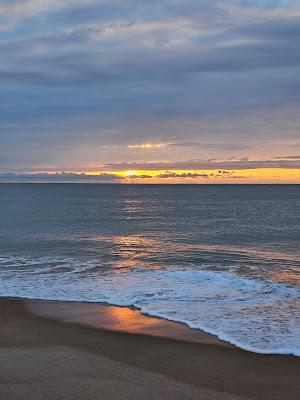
[[125, 84]]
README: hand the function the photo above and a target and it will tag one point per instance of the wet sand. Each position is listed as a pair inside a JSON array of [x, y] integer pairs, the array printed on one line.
[[120, 319], [53, 350]]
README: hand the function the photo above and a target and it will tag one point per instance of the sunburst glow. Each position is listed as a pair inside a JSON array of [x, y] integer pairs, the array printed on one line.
[[147, 146]]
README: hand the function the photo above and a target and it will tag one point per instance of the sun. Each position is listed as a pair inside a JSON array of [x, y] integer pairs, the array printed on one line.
[[129, 173]]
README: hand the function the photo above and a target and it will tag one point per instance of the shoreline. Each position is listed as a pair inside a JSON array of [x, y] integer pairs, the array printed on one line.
[[131, 319], [46, 358], [127, 319]]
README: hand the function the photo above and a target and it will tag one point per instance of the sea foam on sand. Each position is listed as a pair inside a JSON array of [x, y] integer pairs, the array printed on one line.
[[253, 314]]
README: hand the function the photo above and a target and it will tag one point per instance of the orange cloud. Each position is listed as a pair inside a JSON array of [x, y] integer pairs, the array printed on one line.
[[218, 176], [257, 175]]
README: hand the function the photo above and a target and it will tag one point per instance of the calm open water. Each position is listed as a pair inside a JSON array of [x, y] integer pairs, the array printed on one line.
[[225, 259]]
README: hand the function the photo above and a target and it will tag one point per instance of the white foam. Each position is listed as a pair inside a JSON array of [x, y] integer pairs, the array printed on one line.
[[252, 314]]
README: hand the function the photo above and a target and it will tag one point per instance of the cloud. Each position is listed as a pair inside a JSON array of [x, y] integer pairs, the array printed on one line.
[[205, 77], [215, 145], [169, 174], [14, 12], [234, 164], [63, 177], [171, 47], [141, 176], [287, 158], [147, 146], [71, 177]]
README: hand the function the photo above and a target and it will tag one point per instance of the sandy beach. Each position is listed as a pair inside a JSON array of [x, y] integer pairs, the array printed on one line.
[[99, 357]]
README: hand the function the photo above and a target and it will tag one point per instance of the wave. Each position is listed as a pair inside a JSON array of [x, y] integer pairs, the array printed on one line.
[[254, 314]]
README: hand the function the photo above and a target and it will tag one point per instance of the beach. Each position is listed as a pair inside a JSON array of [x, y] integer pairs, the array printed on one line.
[[99, 357], [209, 267], [150, 200]]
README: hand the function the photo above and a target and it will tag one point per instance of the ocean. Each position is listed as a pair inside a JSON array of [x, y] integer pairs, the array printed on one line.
[[221, 258]]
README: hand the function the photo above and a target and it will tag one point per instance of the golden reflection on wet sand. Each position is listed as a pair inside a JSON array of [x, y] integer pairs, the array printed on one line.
[[121, 319]]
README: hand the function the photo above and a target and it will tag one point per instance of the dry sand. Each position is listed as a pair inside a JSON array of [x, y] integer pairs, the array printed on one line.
[[122, 356]]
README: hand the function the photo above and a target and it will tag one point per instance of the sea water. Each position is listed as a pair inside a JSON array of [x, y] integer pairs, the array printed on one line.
[[224, 259]]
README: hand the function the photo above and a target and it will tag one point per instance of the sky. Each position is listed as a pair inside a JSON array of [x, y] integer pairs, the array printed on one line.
[[160, 91]]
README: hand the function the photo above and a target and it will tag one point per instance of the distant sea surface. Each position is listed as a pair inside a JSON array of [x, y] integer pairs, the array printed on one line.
[[224, 259]]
